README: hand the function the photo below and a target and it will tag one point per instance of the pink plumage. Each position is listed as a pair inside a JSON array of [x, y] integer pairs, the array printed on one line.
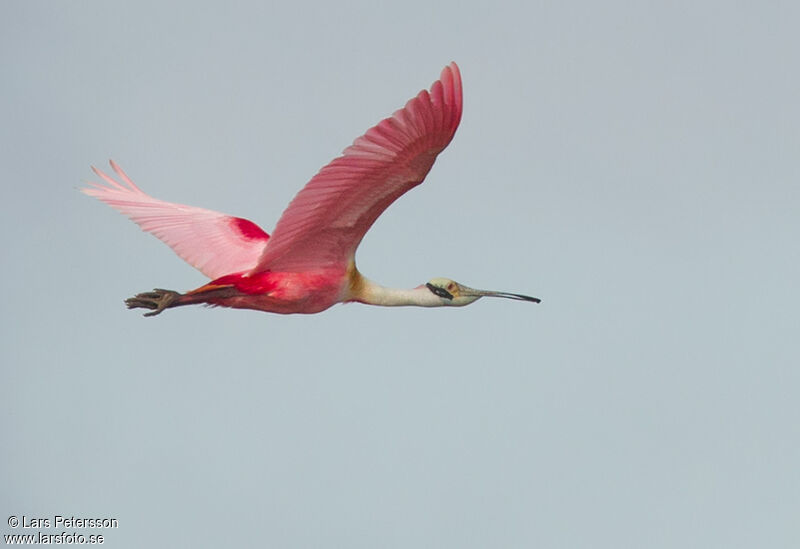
[[308, 264], [326, 221], [215, 244]]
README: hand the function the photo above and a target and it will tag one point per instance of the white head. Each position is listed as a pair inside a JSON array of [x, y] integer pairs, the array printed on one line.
[[453, 294]]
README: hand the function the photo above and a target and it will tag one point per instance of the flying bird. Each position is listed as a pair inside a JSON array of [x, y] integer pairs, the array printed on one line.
[[308, 263]]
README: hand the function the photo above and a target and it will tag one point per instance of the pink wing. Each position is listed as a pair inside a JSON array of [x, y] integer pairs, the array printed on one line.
[[216, 244], [326, 221]]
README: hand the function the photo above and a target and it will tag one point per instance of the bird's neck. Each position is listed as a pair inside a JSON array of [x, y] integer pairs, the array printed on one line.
[[375, 294]]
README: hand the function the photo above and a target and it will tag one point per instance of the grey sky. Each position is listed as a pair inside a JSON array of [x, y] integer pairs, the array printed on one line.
[[632, 164]]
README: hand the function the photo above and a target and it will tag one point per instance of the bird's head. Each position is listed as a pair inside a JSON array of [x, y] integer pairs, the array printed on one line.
[[453, 294]]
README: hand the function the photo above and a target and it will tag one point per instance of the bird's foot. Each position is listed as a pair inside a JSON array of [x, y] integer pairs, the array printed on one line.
[[156, 301]]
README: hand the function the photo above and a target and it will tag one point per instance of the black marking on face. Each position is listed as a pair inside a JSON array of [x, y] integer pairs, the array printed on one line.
[[441, 292]]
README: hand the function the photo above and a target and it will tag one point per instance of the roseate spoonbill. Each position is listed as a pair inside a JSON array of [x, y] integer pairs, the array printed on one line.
[[308, 263]]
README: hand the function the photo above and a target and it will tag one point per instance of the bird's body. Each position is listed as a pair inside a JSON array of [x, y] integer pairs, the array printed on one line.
[[280, 292], [308, 264]]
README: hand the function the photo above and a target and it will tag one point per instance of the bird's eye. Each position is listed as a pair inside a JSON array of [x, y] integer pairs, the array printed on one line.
[[441, 292], [451, 287]]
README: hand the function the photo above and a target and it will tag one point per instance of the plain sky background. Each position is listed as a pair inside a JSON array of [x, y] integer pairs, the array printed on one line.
[[634, 164]]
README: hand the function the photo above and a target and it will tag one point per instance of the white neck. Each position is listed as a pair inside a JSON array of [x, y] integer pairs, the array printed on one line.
[[375, 294]]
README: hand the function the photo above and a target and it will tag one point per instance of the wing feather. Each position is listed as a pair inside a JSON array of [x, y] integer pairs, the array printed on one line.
[[214, 243], [324, 224]]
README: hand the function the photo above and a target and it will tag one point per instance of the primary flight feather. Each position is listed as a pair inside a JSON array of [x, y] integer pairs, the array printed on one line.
[[308, 264]]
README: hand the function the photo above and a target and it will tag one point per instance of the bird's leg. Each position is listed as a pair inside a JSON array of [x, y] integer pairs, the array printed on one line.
[[160, 299], [156, 301]]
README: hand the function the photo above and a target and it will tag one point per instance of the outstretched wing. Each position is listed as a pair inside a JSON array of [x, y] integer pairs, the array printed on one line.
[[326, 221], [214, 243]]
